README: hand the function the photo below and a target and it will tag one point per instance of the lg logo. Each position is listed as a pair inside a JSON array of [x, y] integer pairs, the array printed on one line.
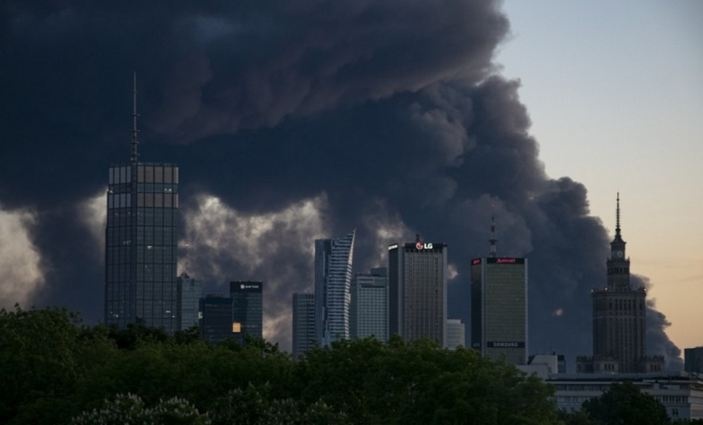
[[420, 246]]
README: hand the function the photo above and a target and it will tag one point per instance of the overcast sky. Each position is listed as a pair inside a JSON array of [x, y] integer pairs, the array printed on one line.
[[615, 93], [305, 119]]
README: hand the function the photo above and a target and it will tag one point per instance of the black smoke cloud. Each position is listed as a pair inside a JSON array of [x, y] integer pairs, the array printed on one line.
[[293, 120]]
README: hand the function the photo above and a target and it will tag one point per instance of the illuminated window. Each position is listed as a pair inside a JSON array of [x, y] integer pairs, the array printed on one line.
[[236, 327]]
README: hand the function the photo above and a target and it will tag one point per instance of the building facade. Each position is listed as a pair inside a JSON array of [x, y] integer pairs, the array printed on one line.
[[304, 337], [417, 283], [499, 308], [188, 294], [247, 309], [369, 305], [693, 360], [216, 324], [456, 334], [141, 242], [333, 275], [681, 394], [619, 319]]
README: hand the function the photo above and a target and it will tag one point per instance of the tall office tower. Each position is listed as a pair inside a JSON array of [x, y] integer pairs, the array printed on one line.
[[141, 242], [619, 312], [216, 325], [303, 324], [417, 283], [456, 334], [247, 309], [188, 293], [693, 360], [499, 306], [333, 273], [369, 305]]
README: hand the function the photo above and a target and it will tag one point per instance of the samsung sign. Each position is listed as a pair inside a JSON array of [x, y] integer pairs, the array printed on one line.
[[505, 344]]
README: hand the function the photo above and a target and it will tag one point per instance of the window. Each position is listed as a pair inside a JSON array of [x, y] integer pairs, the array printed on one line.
[[149, 174], [236, 327]]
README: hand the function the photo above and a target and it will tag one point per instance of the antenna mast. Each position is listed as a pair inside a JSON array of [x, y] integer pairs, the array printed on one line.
[[493, 240], [617, 215], [134, 156]]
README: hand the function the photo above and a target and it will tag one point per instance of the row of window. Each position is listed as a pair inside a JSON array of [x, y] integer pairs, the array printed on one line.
[[145, 174], [145, 216], [146, 236], [155, 254], [148, 200], [145, 273]]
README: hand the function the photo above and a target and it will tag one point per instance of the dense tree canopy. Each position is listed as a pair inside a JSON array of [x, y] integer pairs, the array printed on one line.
[[56, 371]]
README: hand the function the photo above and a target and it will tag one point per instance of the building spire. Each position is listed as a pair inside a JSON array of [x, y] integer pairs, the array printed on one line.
[[493, 240], [617, 216], [134, 156]]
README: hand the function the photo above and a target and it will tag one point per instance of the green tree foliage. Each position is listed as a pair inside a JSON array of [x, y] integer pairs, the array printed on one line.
[[54, 369], [625, 404], [129, 409]]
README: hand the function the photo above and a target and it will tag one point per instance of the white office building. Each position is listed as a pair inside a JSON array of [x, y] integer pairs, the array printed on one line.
[[456, 334]]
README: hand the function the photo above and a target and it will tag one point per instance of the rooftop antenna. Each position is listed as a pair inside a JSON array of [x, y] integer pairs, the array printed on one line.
[[493, 240], [134, 156], [617, 215]]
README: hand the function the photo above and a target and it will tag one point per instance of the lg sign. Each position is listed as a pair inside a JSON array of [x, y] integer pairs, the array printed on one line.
[[420, 246]]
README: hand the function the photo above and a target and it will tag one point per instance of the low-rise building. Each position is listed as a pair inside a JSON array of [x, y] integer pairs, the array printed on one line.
[[681, 394]]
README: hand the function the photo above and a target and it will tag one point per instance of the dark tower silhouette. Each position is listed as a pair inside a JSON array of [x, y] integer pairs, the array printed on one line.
[[618, 314], [141, 240]]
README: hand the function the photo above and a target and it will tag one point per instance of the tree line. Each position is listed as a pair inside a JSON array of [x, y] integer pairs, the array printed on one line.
[[55, 370]]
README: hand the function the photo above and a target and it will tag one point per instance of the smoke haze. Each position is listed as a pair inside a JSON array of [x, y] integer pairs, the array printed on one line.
[[290, 121]]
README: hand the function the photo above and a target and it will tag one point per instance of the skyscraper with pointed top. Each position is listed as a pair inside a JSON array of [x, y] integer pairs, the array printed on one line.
[[499, 305], [141, 240], [333, 275], [618, 313]]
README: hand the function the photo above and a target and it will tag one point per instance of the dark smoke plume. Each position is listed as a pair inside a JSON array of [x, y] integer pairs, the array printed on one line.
[[292, 120]]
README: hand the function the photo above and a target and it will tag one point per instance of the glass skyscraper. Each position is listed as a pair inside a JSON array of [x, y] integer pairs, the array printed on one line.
[[333, 274], [141, 242], [141, 245], [188, 295], [303, 323], [369, 305], [216, 325], [247, 309]]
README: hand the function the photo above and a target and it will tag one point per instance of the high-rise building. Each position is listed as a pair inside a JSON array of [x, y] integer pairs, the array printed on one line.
[[141, 242], [333, 273], [303, 323], [188, 294], [456, 334], [247, 309], [369, 305], [619, 312], [417, 283], [693, 360], [499, 306], [216, 324], [619, 319]]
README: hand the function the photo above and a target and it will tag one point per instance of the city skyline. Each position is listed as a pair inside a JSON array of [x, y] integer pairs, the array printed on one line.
[[357, 135]]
